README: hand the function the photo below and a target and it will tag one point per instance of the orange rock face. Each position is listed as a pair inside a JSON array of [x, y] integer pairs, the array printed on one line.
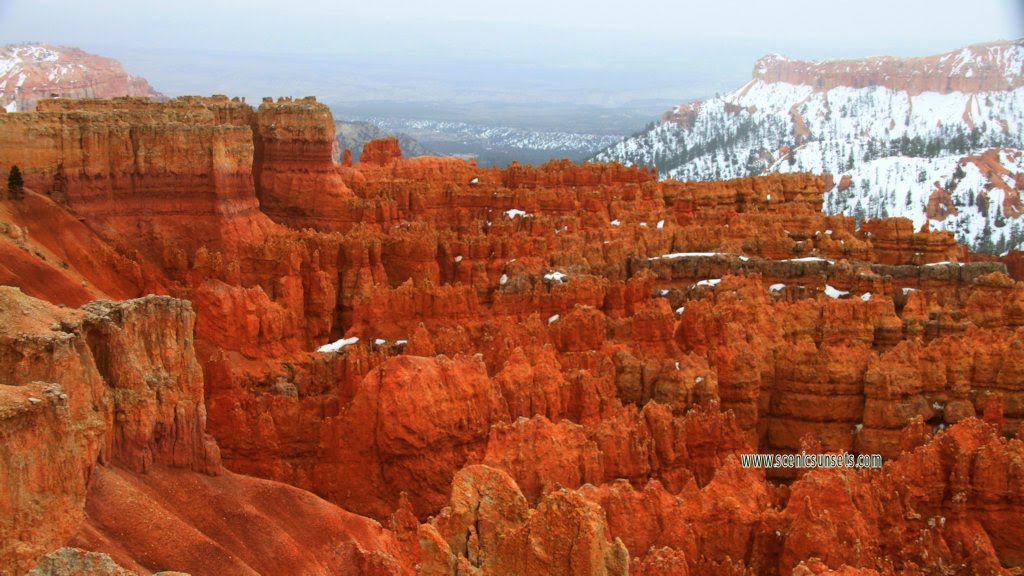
[[103, 416], [449, 369]]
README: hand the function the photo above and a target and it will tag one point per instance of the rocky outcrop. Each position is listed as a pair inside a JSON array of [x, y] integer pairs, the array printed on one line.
[[72, 561], [102, 415], [381, 151], [488, 528], [296, 180], [895, 242], [111, 384], [56, 413], [173, 175], [34, 72], [353, 135]]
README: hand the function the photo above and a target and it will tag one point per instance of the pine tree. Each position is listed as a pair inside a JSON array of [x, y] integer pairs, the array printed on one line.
[[15, 184], [984, 243]]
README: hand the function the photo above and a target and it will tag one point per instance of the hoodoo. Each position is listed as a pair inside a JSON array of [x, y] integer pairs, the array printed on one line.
[[558, 369]]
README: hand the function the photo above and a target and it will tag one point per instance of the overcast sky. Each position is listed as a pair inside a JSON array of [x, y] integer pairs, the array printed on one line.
[[658, 48]]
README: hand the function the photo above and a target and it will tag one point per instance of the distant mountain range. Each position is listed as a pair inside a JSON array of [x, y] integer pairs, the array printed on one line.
[[30, 72], [937, 139]]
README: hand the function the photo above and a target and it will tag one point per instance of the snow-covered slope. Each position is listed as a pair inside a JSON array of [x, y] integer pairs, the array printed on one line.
[[30, 72], [934, 138]]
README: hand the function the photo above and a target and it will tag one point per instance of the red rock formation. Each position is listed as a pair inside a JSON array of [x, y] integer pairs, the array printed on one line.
[[34, 72], [380, 152], [103, 415], [895, 242], [296, 180], [411, 423], [990, 164], [685, 114], [489, 528], [586, 350], [123, 164]]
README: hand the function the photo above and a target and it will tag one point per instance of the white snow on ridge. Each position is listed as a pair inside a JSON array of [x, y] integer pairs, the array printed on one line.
[[833, 292], [808, 259], [896, 146], [675, 255], [337, 345]]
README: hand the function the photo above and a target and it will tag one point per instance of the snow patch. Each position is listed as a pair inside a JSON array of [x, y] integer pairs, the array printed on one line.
[[832, 292], [809, 259], [337, 345], [675, 255]]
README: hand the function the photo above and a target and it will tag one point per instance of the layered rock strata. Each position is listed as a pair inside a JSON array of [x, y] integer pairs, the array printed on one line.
[[529, 370]]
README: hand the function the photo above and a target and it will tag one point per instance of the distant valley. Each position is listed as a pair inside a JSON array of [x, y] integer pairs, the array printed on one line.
[[498, 145], [496, 134]]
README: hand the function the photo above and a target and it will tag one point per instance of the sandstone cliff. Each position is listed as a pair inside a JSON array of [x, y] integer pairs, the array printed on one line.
[[102, 414]]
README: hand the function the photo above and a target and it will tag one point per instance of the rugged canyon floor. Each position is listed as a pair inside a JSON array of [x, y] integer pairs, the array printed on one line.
[[534, 370]]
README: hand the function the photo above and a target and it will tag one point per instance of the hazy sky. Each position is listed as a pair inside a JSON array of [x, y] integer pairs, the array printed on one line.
[[488, 49]]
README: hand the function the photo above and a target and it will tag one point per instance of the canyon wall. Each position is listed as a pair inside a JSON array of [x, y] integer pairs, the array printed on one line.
[[532, 370]]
